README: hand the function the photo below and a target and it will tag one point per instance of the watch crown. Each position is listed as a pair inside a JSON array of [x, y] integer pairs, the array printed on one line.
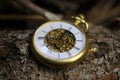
[[80, 20], [82, 16]]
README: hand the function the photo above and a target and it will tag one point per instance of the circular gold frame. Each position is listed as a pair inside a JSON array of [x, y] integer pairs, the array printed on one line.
[[59, 63]]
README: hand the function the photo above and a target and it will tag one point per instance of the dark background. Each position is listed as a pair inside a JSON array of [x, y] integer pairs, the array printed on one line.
[[18, 14]]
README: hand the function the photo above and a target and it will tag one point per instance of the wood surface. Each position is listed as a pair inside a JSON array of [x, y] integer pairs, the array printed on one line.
[[18, 63]]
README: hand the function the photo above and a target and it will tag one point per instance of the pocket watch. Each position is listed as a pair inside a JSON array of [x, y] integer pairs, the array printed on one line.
[[60, 43]]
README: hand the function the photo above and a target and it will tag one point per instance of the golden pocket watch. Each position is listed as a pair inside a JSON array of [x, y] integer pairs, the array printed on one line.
[[60, 43]]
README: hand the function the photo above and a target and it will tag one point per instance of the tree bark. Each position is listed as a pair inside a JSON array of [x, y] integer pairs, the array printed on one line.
[[18, 63]]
